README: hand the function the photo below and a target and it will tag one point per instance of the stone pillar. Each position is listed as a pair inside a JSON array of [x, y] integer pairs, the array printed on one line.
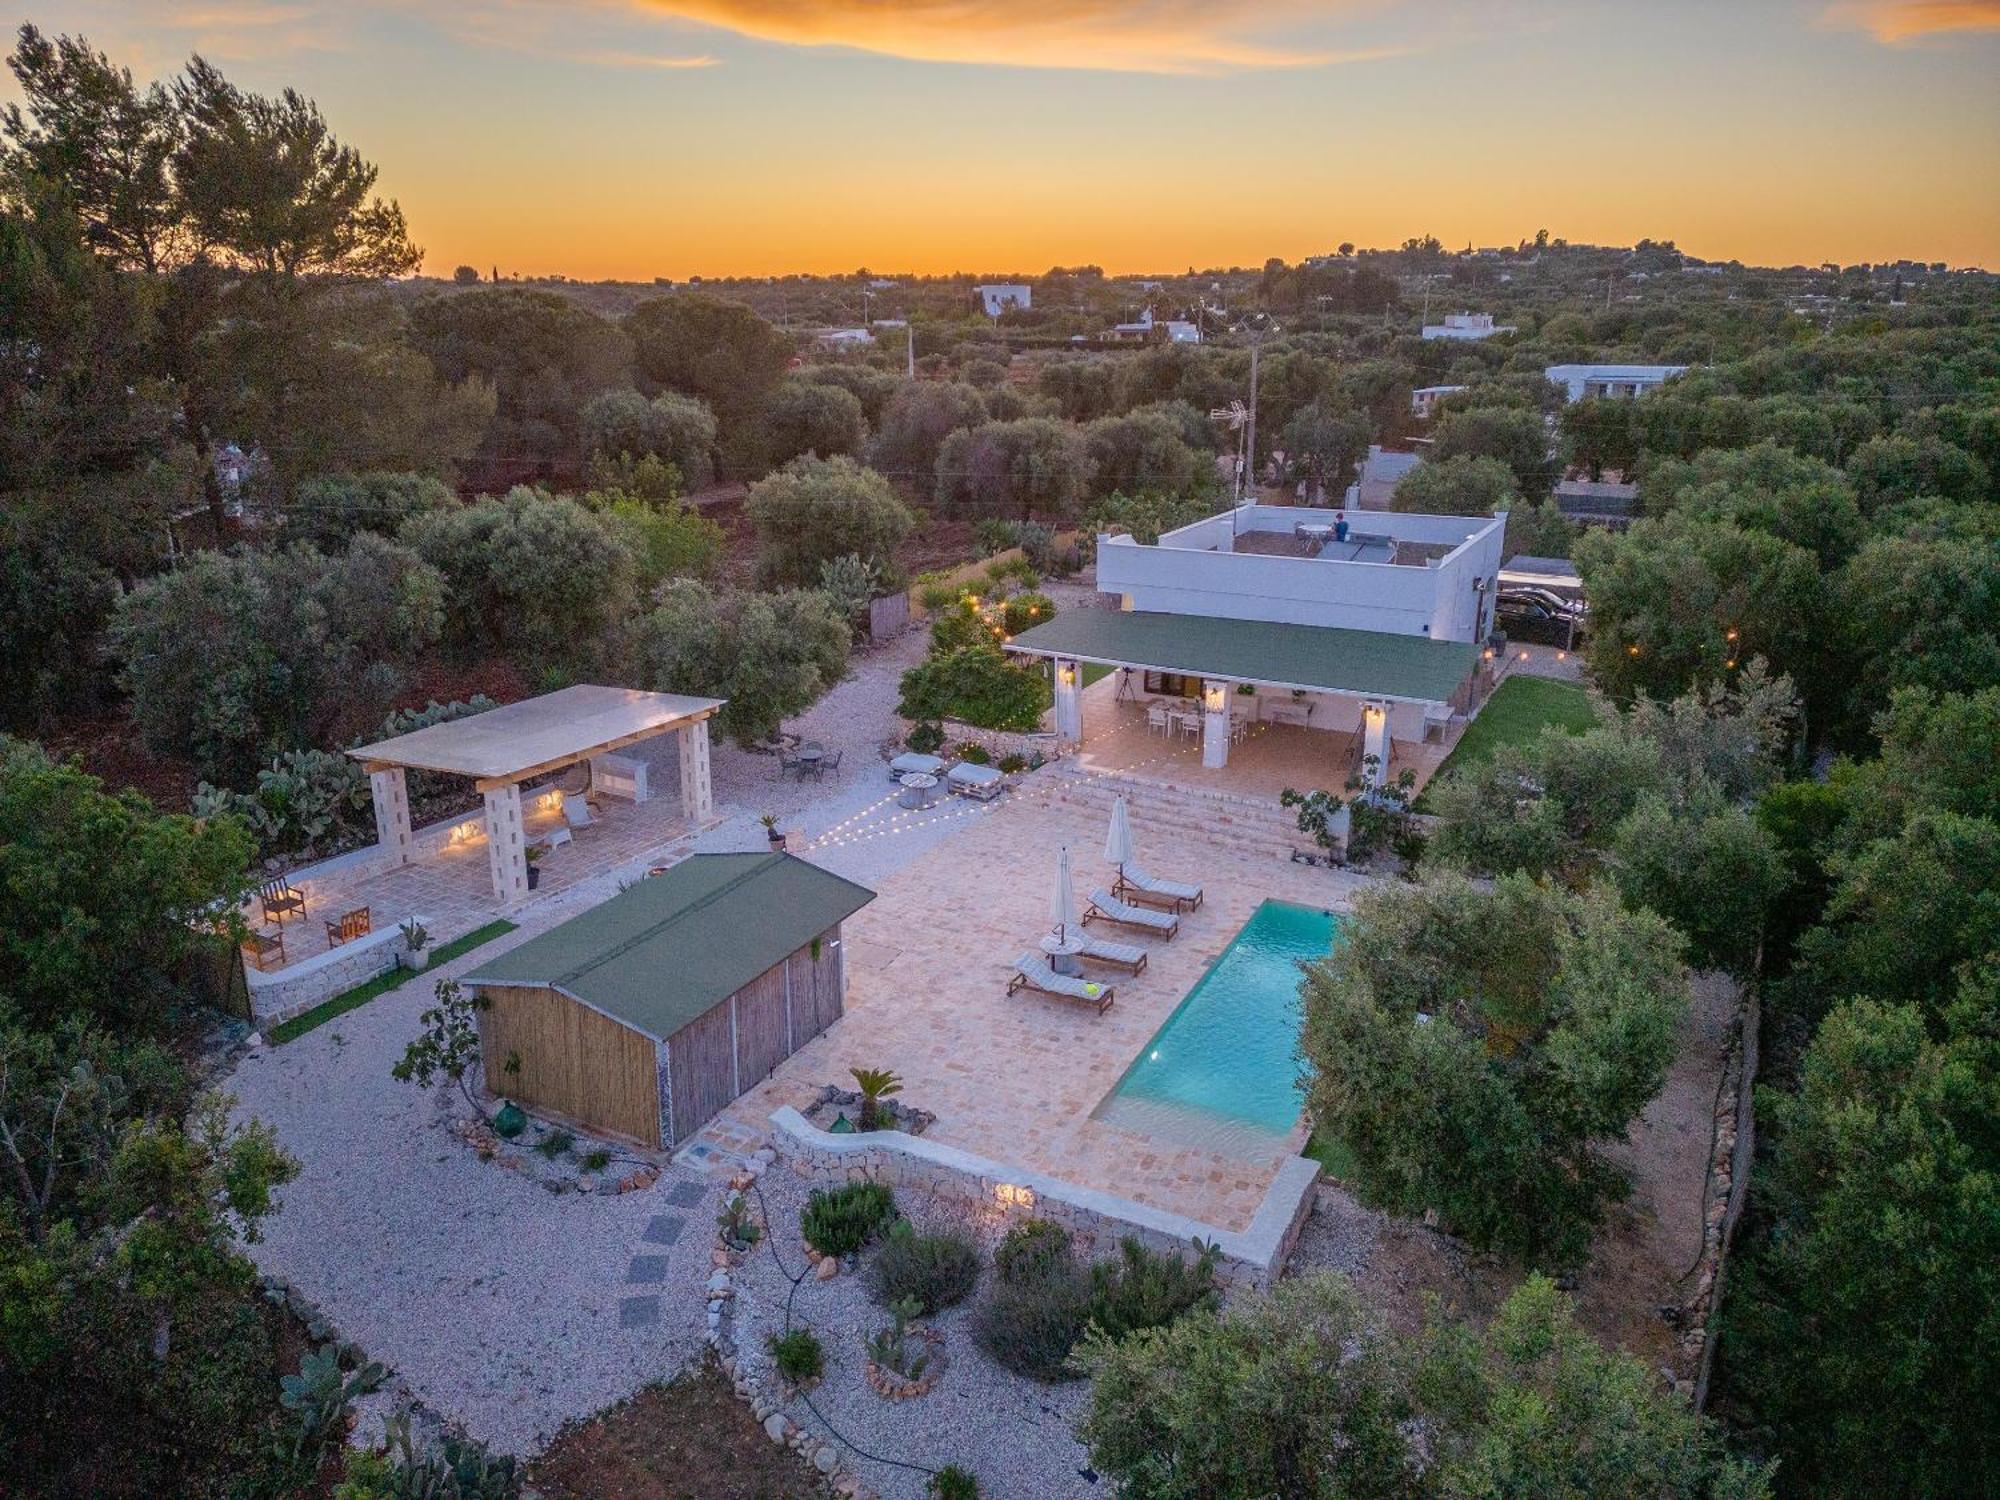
[[1069, 702], [697, 793], [1375, 742], [506, 845], [391, 790], [1214, 725]]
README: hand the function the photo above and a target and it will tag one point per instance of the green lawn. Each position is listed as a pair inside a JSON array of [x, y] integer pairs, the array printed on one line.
[[1332, 1153], [1518, 711], [1094, 671], [381, 984]]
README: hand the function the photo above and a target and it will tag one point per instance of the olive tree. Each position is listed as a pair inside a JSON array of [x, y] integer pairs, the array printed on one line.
[[1475, 1046], [817, 509]]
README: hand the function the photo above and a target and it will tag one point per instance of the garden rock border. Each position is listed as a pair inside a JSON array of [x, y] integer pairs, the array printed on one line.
[[893, 1387], [721, 1335], [563, 1173], [895, 1113]]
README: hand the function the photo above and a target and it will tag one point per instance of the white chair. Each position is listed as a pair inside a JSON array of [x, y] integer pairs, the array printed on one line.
[[1190, 725], [576, 813], [1156, 718]]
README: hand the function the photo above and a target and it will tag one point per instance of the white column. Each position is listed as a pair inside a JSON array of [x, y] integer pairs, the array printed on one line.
[[391, 790], [1069, 702], [1375, 742], [1215, 725], [697, 793], [507, 844]]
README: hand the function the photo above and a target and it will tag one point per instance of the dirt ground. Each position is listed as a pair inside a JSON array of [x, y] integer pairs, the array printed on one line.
[[1648, 1245], [690, 1439]]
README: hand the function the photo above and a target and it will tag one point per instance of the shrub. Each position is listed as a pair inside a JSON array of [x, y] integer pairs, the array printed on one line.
[[993, 535], [974, 752], [596, 1161], [797, 1354], [1030, 1247], [933, 1270], [555, 1143], [1035, 1313], [937, 596], [1148, 1289], [1013, 764], [978, 685], [925, 739], [952, 1483], [307, 801], [1025, 611], [816, 509], [841, 1221], [893, 1349]]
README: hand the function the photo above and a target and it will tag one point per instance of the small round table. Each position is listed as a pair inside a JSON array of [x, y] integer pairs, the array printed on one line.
[[1062, 953], [917, 789], [809, 759]]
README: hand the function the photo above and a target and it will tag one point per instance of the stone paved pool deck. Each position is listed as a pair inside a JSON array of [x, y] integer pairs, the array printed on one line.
[[1016, 1078]]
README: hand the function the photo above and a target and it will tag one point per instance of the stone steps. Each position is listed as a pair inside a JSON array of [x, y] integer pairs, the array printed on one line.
[[1160, 814]]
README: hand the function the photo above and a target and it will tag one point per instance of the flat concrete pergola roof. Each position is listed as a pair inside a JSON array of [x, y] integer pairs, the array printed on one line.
[[504, 747], [537, 735]]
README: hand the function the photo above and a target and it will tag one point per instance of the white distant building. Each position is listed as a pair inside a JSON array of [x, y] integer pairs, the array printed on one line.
[[1580, 382], [1177, 330], [1466, 326], [841, 338], [1002, 296], [1424, 399]]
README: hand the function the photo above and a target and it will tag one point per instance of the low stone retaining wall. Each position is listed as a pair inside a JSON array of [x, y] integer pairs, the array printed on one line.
[[1252, 1256], [280, 994], [1728, 1190], [998, 743]]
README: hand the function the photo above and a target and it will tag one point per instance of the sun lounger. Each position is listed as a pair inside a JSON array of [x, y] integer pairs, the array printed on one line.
[[1106, 907], [983, 782], [1118, 955], [1134, 884], [1032, 972], [576, 813]]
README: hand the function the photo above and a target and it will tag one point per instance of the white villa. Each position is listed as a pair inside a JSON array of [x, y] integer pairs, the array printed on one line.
[[1466, 325], [1424, 399], [1366, 628], [997, 297], [1622, 381]]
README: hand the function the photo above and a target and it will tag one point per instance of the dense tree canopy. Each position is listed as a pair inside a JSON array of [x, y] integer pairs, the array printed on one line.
[[817, 509]]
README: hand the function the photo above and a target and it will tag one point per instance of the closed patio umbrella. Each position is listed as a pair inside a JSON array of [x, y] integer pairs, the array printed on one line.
[[1062, 905], [1118, 842]]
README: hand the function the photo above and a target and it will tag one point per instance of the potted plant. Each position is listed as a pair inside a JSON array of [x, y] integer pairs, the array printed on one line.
[[416, 946], [533, 854], [772, 831]]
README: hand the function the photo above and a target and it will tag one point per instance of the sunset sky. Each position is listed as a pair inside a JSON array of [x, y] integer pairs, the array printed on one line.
[[642, 138]]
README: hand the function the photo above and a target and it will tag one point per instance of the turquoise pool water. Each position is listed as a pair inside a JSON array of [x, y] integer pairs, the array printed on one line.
[[1223, 1071]]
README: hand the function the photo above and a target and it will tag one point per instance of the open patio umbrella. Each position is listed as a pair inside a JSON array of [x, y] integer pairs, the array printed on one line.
[[1118, 842], [1062, 905]]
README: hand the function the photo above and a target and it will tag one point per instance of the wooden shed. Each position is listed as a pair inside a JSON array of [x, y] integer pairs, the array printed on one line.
[[645, 1016]]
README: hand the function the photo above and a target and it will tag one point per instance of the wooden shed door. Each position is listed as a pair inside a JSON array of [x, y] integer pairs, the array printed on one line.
[[701, 1068], [763, 1027]]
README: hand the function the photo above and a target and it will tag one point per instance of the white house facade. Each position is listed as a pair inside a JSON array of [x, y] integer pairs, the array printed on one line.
[[1465, 325], [1369, 627], [1617, 382], [999, 297]]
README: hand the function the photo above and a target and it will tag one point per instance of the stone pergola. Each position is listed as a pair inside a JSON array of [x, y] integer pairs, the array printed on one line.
[[504, 747]]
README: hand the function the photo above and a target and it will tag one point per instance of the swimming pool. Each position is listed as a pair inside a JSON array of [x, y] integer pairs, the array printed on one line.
[[1223, 1072]]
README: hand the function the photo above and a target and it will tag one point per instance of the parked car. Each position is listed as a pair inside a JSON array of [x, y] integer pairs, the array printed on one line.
[[1562, 603], [1526, 615]]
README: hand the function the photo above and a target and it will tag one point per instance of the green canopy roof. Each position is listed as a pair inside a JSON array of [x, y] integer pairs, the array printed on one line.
[[670, 948], [1319, 657]]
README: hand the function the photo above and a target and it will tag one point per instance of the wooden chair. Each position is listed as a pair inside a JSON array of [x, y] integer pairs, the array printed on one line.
[[279, 897], [262, 948], [357, 923]]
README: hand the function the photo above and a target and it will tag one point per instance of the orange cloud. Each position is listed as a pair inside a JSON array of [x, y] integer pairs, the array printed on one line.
[[1894, 21], [1138, 36]]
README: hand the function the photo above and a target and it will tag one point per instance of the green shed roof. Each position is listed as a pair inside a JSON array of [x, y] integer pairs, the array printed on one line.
[[1369, 662], [672, 947]]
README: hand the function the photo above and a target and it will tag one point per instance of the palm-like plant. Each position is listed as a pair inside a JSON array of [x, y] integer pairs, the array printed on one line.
[[876, 1084]]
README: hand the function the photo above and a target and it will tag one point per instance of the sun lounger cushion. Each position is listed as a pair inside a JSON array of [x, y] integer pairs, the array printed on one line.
[[1124, 955], [1153, 885], [1032, 971], [1112, 909], [975, 781], [911, 764]]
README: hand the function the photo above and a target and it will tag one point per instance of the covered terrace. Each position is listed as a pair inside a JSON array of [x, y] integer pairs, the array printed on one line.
[[504, 748], [1296, 695]]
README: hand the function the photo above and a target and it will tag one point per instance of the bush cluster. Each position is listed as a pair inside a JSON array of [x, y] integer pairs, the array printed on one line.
[[841, 1220], [934, 1271]]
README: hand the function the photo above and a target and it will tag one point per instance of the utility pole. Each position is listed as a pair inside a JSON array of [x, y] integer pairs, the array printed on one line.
[[910, 345], [1257, 333]]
